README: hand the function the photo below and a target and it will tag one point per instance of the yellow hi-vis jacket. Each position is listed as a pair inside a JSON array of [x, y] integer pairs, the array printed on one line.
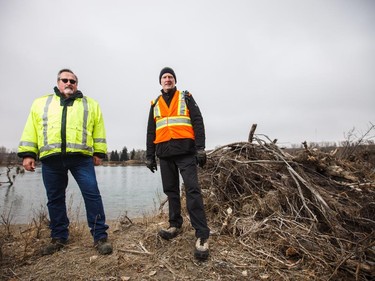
[[172, 122], [49, 130]]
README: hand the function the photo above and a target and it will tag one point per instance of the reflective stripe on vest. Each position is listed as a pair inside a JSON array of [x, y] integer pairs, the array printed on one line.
[[173, 121], [29, 144]]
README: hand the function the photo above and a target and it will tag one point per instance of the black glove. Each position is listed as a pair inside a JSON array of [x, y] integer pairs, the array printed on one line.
[[201, 158], [151, 164]]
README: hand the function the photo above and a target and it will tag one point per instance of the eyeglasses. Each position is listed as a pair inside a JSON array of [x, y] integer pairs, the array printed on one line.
[[66, 81]]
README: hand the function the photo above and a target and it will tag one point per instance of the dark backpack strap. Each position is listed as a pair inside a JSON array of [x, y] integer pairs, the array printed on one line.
[[187, 96]]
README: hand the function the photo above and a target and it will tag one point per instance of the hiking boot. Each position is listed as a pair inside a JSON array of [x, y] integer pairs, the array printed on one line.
[[103, 246], [201, 249], [169, 233], [55, 246]]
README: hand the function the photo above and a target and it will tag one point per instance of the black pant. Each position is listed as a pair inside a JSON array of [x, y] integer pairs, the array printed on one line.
[[187, 165]]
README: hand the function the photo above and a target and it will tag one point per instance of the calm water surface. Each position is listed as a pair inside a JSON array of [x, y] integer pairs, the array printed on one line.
[[131, 190]]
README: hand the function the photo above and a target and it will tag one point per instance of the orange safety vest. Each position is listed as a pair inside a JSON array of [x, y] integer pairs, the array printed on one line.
[[172, 122]]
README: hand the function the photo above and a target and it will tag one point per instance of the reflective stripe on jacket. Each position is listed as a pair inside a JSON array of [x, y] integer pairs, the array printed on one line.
[[172, 122], [52, 128]]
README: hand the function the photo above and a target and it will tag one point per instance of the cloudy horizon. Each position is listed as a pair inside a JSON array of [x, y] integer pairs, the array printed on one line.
[[300, 70]]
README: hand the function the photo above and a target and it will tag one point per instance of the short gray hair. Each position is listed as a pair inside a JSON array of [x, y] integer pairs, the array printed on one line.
[[66, 70]]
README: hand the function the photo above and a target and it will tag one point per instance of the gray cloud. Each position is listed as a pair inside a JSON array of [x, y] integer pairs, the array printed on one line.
[[301, 70]]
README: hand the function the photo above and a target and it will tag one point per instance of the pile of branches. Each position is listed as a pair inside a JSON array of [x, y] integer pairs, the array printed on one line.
[[312, 212]]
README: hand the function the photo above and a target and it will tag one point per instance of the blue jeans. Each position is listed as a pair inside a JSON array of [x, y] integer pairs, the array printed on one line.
[[55, 177]]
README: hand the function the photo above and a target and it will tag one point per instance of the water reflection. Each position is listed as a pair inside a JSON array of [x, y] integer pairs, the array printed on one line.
[[133, 190]]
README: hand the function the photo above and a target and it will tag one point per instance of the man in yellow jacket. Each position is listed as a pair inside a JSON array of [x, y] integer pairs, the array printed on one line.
[[65, 130], [176, 135]]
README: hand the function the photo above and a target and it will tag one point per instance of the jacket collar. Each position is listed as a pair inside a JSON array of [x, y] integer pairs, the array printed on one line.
[[69, 100], [168, 96]]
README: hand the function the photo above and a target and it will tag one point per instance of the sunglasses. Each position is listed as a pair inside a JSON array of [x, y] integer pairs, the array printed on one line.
[[66, 81]]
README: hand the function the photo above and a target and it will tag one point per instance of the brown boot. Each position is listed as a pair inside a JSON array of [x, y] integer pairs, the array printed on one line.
[[103, 246], [201, 249], [169, 233], [56, 245]]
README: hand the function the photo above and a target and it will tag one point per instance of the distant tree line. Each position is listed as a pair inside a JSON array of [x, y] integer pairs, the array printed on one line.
[[124, 155], [8, 157]]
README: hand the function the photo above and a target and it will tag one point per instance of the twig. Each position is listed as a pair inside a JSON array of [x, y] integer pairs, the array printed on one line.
[[162, 204], [251, 134], [167, 265], [301, 195], [135, 252], [143, 248]]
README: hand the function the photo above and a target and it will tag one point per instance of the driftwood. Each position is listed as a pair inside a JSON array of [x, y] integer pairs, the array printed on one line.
[[11, 174], [309, 211]]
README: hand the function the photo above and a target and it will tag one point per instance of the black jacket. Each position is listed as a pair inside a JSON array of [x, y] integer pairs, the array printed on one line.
[[175, 147]]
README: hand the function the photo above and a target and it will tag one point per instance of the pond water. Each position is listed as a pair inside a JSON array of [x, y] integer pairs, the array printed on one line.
[[130, 190]]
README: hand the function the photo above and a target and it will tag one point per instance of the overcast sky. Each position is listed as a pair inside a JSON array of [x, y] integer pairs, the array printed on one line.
[[301, 70]]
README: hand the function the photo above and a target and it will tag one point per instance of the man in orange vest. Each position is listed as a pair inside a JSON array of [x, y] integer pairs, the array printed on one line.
[[176, 135]]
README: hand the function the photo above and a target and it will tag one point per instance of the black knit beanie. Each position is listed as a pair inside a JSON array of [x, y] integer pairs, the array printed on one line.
[[167, 70]]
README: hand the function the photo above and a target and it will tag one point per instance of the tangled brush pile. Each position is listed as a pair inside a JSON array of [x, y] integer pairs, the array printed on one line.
[[313, 211]]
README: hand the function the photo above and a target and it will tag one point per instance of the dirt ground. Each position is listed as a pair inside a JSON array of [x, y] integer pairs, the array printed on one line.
[[139, 254]]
